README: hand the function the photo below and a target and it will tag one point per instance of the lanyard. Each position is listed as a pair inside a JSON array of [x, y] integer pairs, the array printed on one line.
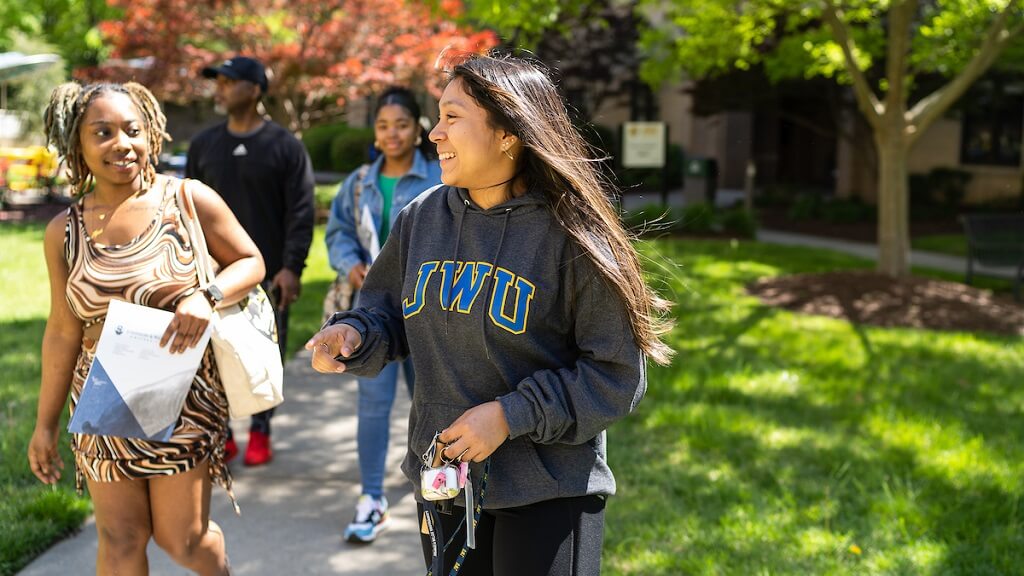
[[436, 531]]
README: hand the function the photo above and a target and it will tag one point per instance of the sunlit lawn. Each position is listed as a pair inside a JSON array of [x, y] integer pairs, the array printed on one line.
[[775, 444], [785, 444], [31, 516]]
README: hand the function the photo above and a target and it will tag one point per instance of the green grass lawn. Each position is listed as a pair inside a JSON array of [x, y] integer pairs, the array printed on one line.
[[775, 444], [952, 244], [786, 444], [31, 516]]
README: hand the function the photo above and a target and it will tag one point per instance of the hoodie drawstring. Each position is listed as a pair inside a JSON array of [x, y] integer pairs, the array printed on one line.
[[494, 269], [455, 262]]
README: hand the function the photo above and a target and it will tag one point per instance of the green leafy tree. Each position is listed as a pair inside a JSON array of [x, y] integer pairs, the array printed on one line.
[[30, 93], [882, 48], [70, 26], [322, 53]]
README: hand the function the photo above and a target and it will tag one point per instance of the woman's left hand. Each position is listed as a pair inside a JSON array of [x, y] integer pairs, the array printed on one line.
[[190, 321], [477, 433]]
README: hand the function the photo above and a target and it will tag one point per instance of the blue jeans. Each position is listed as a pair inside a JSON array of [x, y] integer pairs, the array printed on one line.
[[376, 396]]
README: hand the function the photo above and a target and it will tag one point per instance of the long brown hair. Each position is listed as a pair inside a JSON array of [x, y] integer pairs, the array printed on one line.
[[522, 100], [68, 104]]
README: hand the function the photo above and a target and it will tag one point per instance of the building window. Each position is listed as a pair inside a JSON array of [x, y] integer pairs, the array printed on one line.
[[992, 119]]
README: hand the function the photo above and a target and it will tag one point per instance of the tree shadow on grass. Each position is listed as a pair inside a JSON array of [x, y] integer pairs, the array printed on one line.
[[884, 498], [35, 515], [684, 431]]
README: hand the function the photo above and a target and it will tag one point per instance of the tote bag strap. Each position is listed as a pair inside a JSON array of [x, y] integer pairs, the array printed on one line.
[[190, 218], [357, 192]]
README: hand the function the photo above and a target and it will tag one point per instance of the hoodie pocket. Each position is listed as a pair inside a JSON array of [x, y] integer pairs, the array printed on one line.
[[519, 475]]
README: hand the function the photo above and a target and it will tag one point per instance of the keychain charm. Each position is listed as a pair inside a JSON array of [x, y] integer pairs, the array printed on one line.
[[439, 477]]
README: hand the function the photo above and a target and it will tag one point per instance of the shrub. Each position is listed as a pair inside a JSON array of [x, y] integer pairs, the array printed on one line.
[[776, 195], [739, 222], [805, 207], [697, 217], [318, 143], [919, 189], [350, 149], [603, 138], [942, 188], [949, 185], [846, 211]]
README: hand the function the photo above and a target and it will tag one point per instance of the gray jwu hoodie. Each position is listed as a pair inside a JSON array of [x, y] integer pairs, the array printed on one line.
[[501, 304]]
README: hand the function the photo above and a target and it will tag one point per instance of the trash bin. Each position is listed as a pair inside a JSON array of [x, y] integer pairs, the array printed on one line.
[[700, 180]]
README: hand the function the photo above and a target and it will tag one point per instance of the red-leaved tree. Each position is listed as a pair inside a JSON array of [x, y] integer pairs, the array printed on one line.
[[320, 53]]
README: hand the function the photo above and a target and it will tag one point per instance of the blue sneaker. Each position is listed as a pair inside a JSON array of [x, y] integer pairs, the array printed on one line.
[[371, 518]]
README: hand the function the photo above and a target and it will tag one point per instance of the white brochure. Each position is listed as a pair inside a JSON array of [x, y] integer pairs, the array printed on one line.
[[367, 234], [135, 388]]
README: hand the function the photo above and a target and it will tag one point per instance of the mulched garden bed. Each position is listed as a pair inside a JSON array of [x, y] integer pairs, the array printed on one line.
[[878, 300]]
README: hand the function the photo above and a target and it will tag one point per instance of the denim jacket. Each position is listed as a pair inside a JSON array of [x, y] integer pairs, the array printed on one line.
[[343, 248]]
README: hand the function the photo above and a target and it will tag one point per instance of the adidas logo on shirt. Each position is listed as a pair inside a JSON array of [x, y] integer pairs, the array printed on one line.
[[240, 151]]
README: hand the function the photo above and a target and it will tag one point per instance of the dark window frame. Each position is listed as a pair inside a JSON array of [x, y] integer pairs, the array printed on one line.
[[992, 113]]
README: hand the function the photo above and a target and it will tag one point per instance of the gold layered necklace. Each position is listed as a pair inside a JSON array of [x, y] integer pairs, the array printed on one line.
[[104, 218]]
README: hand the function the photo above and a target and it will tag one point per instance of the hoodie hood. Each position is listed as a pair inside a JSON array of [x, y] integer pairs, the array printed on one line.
[[459, 200]]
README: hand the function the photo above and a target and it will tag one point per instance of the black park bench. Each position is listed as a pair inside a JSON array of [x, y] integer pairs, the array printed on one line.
[[996, 240]]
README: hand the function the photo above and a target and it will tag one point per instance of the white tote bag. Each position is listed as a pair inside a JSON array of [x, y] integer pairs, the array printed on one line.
[[244, 335]]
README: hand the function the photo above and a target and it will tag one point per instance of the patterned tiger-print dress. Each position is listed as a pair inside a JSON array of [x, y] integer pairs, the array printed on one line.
[[154, 269]]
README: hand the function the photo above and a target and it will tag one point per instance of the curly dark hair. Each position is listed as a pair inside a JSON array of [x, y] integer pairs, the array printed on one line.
[[67, 107]]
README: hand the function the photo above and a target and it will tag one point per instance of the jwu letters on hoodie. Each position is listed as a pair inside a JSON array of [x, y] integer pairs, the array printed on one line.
[[458, 284]]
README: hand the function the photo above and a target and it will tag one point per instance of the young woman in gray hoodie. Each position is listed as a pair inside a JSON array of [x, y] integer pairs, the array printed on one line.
[[520, 299]]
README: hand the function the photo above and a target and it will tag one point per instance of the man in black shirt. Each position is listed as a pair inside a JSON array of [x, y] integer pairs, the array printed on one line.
[[264, 175]]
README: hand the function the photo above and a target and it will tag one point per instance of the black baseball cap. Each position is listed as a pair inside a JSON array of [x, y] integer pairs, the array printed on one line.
[[240, 68]]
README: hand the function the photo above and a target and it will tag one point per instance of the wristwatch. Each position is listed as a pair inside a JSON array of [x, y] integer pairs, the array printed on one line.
[[213, 295]]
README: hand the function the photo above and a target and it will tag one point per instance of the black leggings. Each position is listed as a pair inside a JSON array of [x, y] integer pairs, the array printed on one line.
[[554, 537]]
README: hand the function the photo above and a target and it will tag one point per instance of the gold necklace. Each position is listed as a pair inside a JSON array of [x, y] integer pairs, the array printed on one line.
[[95, 233]]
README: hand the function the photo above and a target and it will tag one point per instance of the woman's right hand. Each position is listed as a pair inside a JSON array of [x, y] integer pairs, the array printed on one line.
[[186, 329], [333, 341], [43, 457], [356, 275]]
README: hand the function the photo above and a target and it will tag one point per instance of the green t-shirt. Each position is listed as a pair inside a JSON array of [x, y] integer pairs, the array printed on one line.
[[387, 190]]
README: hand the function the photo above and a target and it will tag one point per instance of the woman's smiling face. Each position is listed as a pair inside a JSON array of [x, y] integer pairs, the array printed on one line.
[[395, 130], [113, 139], [469, 148]]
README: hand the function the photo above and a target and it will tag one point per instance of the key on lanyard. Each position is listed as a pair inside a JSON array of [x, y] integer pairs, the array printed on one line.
[[467, 483]]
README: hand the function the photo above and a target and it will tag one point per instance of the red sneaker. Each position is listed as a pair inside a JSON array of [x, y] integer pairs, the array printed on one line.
[[258, 452], [230, 450]]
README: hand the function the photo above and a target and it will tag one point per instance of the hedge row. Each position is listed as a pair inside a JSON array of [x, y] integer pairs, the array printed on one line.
[[338, 147]]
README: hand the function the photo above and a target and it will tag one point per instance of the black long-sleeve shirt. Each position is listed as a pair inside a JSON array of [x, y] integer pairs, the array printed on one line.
[[266, 178]]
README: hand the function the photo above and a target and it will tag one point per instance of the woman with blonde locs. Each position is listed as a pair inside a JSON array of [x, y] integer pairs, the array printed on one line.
[[520, 299], [124, 239]]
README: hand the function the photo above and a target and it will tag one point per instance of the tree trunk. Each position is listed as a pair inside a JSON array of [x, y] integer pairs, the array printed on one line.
[[893, 207]]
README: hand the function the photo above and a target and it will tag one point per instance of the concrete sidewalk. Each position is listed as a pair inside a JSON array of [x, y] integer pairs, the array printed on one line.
[[295, 508]]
